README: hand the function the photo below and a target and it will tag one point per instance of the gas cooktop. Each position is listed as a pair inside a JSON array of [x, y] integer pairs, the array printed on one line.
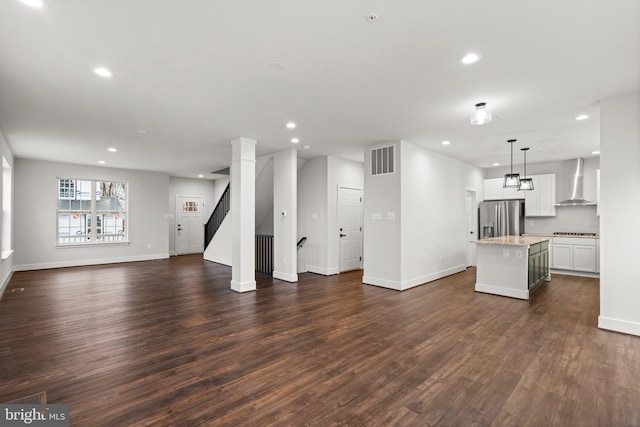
[[568, 233]]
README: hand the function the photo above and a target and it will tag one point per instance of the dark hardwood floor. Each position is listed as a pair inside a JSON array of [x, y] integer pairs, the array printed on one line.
[[167, 343]]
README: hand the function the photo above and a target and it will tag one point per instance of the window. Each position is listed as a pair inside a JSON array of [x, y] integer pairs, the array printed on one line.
[[91, 211], [6, 209]]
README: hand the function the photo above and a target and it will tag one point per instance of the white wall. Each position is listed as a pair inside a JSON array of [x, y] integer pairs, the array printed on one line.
[[340, 173], [619, 207], [285, 212], [6, 265], [35, 227], [428, 238], [189, 187], [313, 215], [382, 236], [581, 219]]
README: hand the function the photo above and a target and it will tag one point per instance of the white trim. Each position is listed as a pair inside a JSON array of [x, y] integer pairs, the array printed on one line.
[[98, 261], [322, 270], [6, 254], [243, 287], [390, 284], [225, 262], [619, 325], [505, 292], [173, 253], [84, 245], [408, 284], [5, 282], [575, 273], [285, 276]]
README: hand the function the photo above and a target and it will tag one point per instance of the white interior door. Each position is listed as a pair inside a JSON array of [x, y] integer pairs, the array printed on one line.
[[472, 225], [350, 224], [189, 225]]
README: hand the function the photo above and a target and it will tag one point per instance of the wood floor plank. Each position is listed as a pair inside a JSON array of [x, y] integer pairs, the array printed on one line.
[[167, 343]]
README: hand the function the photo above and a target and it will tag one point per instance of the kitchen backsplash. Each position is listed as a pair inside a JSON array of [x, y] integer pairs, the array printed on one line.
[[578, 219]]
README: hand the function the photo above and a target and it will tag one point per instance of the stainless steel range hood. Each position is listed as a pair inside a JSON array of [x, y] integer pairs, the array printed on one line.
[[576, 185]]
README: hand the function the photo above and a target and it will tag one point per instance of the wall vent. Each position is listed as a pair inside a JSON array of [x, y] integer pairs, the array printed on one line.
[[383, 160]]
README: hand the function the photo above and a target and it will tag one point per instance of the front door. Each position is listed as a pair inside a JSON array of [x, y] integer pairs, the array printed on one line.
[[189, 225], [350, 224]]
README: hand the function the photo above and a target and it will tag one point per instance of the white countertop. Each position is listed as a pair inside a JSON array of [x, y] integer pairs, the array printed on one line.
[[512, 240], [597, 236]]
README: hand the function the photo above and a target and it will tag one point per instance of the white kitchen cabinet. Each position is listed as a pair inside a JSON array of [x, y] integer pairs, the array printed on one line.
[[542, 199], [575, 254], [493, 190]]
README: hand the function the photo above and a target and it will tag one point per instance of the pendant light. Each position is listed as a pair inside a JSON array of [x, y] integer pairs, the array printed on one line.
[[481, 115], [526, 184], [511, 179]]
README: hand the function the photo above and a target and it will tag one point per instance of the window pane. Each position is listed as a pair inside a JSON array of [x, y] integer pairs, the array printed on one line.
[[72, 227]]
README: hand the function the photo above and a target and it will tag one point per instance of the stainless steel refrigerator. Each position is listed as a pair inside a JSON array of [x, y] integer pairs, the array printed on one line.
[[501, 218]]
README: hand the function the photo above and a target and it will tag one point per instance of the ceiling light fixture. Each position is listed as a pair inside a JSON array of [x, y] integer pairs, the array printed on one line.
[[526, 184], [582, 117], [102, 162], [112, 149], [595, 152], [200, 176], [33, 3], [142, 131], [102, 72], [496, 164], [481, 115], [291, 125], [306, 147], [470, 58], [446, 142], [511, 180], [295, 140]]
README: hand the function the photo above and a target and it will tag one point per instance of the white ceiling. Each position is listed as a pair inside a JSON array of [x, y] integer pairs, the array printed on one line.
[[195, 75]]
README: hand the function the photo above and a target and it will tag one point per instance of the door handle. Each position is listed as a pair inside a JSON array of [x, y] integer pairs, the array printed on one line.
[[471, 232], [343, 235]]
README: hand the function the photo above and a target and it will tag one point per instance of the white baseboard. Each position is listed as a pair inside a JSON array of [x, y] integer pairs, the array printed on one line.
[[222, 261], [322, 270], [618, 325], [412, 283], [575, 273], [499, 290], [285, 276], [5, 282], [244, 286], [173, 253], [79, 263]]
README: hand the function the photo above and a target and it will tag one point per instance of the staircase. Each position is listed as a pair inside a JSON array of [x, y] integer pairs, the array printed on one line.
[[218, 215]]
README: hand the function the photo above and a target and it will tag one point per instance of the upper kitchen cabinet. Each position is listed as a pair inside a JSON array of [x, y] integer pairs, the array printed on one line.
[[542, 199], [493, 190]]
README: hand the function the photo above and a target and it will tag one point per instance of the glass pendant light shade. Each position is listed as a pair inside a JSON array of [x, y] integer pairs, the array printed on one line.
[[526, 184], [481, 115], [511, 180]]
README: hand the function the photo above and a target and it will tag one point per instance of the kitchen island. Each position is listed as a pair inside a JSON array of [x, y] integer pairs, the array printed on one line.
[[512, 266]]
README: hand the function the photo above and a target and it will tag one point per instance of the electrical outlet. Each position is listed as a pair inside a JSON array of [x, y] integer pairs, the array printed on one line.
[[519, 254]]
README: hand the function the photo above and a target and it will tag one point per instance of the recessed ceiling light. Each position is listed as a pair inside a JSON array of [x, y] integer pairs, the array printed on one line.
[[33, 3], [112, 149], [295, 140], [277, 65], [470, 58], [200, 176], [291, 125], [102, 162], [595, 152], [496, 164], [142, 131], [582, 117], [446, 142], [102, 72], [306, 147]]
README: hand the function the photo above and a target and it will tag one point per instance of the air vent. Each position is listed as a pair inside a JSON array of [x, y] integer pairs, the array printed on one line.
[[382, 160]]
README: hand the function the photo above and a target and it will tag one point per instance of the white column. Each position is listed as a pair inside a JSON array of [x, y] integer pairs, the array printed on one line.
[[285, 211], [243, 213]]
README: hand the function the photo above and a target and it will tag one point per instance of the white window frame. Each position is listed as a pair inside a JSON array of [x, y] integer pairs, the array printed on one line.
[[92, 241]]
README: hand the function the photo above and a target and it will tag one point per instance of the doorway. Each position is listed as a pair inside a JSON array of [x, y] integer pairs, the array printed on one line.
[[189, 225], [350, 228], [471, 233]]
